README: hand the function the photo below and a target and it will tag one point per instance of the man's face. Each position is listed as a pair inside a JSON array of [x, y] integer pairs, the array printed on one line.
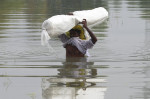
[[74, 34]]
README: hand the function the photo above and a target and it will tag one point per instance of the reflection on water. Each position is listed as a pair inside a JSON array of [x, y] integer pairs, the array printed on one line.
[[121, 56], [76, 80]]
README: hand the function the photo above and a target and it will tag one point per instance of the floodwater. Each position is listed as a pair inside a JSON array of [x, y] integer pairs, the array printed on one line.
[[118, 68]]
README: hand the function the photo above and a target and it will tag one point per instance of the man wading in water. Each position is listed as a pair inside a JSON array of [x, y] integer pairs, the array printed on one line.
[[76, 47]]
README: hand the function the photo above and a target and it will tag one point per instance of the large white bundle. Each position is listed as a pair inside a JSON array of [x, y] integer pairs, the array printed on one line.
[[60, 24], [93, 17], [57, 25]]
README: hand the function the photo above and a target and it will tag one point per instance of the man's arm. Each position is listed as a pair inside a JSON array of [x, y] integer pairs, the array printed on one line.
[[93, 37]]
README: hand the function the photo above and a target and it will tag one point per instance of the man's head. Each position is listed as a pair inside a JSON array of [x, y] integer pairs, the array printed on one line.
[[74, 33]]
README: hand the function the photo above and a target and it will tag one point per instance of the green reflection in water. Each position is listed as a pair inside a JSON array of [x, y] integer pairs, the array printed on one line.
[[65, 6], [140, 5], [146, 11], [23, 17], [9, 7]]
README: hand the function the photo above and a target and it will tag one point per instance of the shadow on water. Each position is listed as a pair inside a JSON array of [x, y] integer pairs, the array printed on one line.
[[76, 79]]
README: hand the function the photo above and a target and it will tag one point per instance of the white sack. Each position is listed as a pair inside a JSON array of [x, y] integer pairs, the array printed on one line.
[[93, 17], [60, 24], [57, 25]]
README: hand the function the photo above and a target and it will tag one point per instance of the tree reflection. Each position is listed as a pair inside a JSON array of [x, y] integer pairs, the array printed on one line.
[[9, 7], [141, 5], [145, 9], [36, 11]]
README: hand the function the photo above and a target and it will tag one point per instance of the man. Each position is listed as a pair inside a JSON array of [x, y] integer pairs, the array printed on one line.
[[76, 47]]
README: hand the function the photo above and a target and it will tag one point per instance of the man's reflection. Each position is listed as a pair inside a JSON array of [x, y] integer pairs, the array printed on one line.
[[77, 79], [77, 68]]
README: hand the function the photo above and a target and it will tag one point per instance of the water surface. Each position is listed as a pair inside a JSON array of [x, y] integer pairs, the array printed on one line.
[[118, 68]]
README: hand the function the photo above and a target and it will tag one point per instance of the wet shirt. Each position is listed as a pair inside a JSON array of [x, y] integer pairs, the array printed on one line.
[[81, 45]]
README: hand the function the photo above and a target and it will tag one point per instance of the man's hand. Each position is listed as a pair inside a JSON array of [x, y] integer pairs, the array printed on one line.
[[84, 22]]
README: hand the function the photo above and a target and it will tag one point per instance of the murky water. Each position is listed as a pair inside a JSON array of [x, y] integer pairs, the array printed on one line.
[[119, 66]]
